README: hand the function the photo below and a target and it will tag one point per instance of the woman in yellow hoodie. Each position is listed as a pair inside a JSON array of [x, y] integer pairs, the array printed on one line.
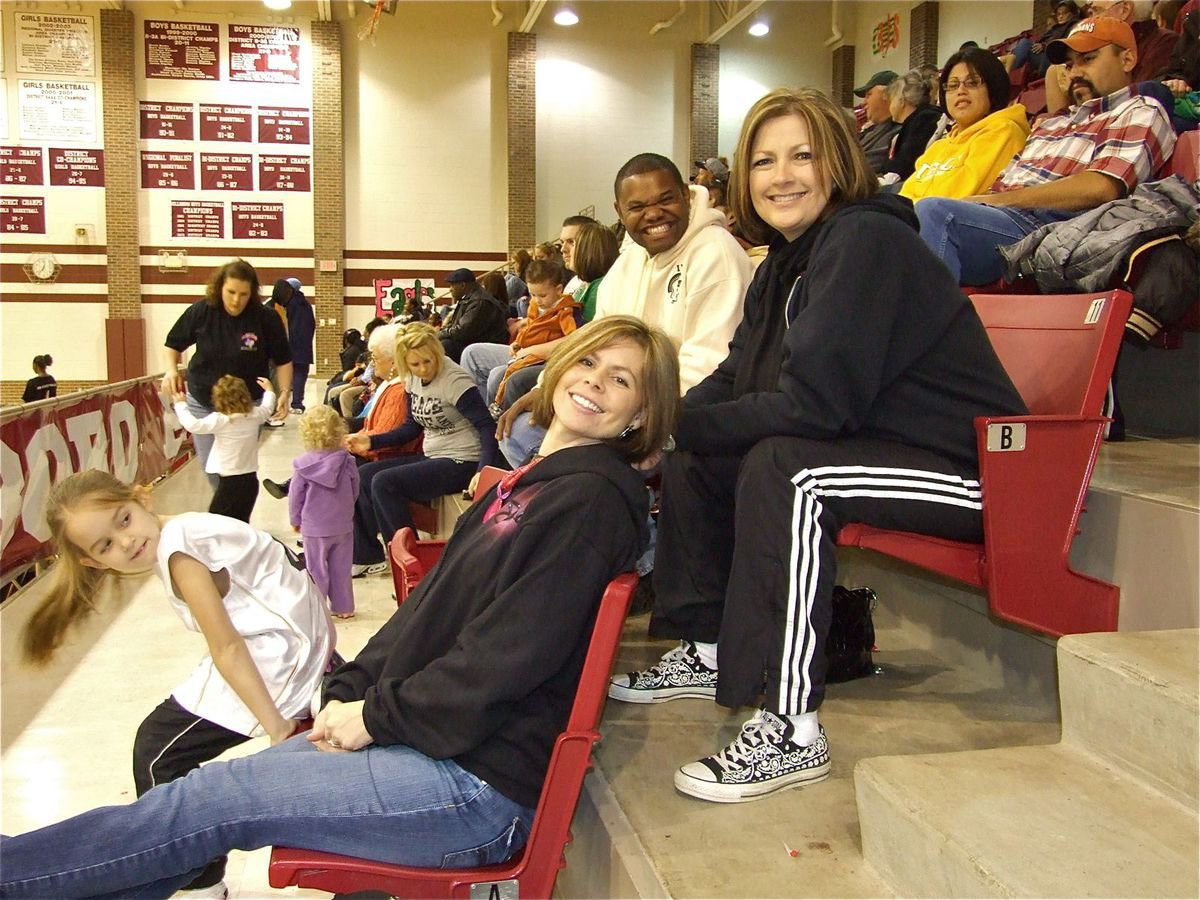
[[987, 133]]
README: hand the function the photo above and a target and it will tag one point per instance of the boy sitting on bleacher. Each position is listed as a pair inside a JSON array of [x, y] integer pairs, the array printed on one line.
[[552, 316]]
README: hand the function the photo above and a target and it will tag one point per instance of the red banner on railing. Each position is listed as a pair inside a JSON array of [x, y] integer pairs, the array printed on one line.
[[125, 430]]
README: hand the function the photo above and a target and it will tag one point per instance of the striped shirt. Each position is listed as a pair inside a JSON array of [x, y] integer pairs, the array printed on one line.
[[1123, 135]]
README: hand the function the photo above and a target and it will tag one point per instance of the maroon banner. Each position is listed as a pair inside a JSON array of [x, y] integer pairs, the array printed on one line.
[[166, 121], [258, 221], [168, 170], [284, 173], [21, 165], [197, 219], [76, 168], [226, 172], [284, 125], [22, 215], [125, 431], [265, 53], [226, 123], [187, 50]]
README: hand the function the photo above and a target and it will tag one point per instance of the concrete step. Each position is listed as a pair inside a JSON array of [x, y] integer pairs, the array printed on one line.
[[1132, 699], [1141, 531], [1048, 821]]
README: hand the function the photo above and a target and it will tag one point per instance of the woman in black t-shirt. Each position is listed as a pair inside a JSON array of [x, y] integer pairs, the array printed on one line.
[[234, 334], [41, 386]]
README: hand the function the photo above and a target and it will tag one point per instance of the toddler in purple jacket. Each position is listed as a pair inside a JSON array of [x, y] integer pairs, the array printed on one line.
[[321, 506]]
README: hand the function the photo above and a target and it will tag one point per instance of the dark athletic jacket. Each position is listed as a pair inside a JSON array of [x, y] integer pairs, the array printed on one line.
[[481, 663], [879, 342]]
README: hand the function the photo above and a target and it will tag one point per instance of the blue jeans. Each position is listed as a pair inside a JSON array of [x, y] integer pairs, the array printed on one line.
[[419, 478], [299, 380], [203, 443], [967, 236], [485, 363], [390, 804], [524, 440]]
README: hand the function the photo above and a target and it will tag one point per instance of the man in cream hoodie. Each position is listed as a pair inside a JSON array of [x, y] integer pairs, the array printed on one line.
[[679, 269], [683, 272]]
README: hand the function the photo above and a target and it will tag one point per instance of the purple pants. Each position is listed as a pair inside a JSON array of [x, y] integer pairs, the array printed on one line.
[[328, 560]]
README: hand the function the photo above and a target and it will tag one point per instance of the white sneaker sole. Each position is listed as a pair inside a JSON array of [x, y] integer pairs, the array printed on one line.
[[660, 695], [743, 793]]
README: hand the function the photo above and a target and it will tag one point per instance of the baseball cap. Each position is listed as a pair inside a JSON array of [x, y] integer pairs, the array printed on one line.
[[294, 282], [887, 76], [1092, 34], [460, 276], [719, 170]]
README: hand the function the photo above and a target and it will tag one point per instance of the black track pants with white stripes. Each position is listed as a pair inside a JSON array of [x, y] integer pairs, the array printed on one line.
[[747, 557], [170, 743]]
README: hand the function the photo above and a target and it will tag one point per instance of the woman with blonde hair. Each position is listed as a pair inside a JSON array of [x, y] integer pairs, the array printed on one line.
[[458, 438], [432, 746], [849, 395]]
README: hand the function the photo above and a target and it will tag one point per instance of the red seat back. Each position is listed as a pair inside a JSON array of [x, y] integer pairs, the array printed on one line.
[[1185, 159], [1057, 349], [1059, 352]]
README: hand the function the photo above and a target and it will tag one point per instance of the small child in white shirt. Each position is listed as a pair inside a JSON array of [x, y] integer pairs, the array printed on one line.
[[235, 427]]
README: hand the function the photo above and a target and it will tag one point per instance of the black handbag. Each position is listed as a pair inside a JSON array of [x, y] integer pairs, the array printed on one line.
[[851, 635]]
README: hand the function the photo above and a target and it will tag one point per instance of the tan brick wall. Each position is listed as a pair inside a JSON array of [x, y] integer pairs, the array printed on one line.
[[522, 140], [329, 194], [705, 110], [11, 391], [843, 76], [923, 39], [118, 41]]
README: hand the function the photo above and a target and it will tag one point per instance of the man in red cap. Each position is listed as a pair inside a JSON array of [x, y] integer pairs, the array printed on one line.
[[1101, 150]]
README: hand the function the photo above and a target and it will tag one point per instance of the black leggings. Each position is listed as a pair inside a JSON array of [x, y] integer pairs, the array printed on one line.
[[235, 496], [170, 743]]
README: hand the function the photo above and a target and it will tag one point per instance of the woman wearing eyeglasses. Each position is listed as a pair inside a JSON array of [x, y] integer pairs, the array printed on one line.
[[987, 133]]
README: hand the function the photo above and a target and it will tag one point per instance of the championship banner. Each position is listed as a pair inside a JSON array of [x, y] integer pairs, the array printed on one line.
[[126, 431]]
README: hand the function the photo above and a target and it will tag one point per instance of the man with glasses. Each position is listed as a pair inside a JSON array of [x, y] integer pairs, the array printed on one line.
[[1111, 142]]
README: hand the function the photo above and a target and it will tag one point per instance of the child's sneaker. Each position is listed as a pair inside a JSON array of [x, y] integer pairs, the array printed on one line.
[[358, 571], [679, 674], [761, 760]]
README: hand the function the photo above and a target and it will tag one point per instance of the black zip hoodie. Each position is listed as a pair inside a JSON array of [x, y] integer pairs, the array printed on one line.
[[880, 343], [481, 663]]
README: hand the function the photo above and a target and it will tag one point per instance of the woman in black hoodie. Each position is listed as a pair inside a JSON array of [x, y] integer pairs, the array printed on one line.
[[433, 744], [848, 395]]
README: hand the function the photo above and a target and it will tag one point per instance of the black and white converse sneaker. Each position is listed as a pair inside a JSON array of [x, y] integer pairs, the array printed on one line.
[[679, 674], [761, 760]]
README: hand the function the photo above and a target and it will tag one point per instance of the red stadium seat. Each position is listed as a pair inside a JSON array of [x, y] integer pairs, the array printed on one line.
[[412, 558], [1033, 98], [533, 871], [1059, 352], [1185, 159]]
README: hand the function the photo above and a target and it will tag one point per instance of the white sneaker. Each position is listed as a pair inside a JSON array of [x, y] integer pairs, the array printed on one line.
[[217, 891], [272, 423], [358, 571]]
